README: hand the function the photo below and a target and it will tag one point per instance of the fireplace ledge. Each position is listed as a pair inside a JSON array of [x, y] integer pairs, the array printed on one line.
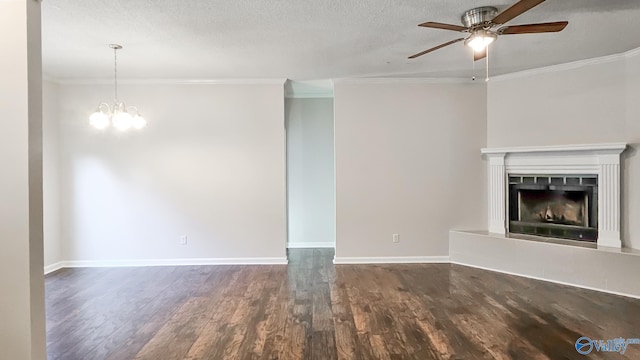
[[602, 268]]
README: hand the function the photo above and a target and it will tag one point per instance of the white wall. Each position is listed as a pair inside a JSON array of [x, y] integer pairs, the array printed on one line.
[[407, 162], [22, 320], [51, 176], [210, 165], [590, 103], [310, 172]]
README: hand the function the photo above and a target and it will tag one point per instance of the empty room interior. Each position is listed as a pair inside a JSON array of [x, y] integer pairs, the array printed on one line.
[[423, 179]]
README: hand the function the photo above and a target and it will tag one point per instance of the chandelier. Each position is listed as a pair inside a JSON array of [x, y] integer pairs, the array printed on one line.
[[118, 115]]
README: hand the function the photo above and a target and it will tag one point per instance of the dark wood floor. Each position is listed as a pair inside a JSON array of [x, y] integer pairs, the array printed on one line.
[[314, 310]]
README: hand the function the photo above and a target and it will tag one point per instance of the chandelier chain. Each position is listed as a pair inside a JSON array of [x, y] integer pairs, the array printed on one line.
[[115, 72]]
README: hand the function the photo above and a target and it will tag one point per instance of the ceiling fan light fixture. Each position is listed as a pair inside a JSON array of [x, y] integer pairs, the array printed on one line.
[[480, 40]]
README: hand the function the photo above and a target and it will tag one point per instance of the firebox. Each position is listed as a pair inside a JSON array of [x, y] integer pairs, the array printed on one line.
[[561, 206]]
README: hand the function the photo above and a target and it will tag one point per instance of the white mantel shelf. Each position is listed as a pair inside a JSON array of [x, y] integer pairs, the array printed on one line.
[[598, 159], [608, 147]]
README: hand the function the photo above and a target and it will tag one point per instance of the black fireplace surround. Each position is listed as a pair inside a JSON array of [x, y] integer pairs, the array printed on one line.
[[561, 206]]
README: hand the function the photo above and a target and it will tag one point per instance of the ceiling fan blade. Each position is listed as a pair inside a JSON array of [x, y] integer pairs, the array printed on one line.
[[435, 48], [515, 10], [437, 25], [533, 28], [477, 55]]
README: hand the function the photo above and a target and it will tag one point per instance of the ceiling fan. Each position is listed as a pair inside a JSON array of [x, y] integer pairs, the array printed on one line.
[[484, 26]]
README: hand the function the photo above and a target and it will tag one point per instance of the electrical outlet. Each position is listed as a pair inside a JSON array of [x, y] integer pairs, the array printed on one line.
[[396, 238], [183, 240]]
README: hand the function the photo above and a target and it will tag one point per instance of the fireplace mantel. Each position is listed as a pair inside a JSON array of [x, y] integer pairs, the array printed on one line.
[[592, 148], [600, 159]]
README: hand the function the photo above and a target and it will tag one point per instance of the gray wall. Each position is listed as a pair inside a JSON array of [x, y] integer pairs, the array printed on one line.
[[407, 162], [589, 103], [310, 172]]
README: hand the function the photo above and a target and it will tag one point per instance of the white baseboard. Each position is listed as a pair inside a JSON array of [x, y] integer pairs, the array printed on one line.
[[392, 260], [168, 262], [283, 261], [548, 280], [54, 267], [309, 245]]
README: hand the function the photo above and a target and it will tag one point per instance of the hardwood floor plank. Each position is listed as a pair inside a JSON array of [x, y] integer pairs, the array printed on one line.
[[312, 309]]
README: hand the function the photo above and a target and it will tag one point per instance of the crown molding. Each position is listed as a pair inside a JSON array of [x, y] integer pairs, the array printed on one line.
[[305, 93], [632, 53], [391, 80], [567, 66], [134, 81]]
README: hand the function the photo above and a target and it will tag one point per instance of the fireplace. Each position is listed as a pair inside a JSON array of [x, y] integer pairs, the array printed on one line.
[[562, 206], [578, 204]]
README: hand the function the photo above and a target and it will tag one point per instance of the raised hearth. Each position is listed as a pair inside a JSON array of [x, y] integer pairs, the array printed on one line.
[[570, 192]]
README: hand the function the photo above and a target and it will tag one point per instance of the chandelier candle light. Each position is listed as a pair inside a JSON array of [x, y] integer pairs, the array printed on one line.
[[119, 115]]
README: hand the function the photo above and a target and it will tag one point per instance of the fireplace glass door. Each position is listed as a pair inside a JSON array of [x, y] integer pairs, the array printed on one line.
[[554, 206]]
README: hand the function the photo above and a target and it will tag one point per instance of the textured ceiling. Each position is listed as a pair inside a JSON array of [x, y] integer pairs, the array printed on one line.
[[320, 39]]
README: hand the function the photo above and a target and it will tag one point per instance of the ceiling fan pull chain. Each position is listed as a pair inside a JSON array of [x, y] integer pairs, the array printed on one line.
[[473, 62], [487, 65]]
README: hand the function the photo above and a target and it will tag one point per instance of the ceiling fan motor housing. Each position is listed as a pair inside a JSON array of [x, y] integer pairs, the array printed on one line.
[[478, 16]]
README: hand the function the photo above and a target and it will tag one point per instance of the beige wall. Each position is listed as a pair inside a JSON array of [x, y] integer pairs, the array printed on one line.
[[310, 172], [407, 162], [575, 105], [51, 175], [210, 165], [22, 320]]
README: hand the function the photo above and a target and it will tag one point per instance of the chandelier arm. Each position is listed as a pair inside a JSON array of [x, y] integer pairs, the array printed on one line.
[[102, 106]]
